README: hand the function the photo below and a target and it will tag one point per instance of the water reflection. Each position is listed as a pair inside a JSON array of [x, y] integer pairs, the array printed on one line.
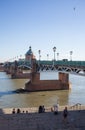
[[6, 93]]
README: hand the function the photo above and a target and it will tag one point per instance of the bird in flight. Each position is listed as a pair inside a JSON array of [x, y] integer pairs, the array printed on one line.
[[74, 8]]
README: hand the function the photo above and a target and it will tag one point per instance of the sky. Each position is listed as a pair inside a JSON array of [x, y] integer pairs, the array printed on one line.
[[42, 24]]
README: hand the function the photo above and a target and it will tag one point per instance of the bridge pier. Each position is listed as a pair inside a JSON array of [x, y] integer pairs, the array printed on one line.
[[64, 78], [47, 85], [35, 84]]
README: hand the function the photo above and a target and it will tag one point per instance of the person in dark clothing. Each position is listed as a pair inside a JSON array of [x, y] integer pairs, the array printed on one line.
[[40, 109], [13, 111], [18, 110], [65, 114]]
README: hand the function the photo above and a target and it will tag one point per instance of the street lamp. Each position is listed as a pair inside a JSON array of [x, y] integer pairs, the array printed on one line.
[[71, 52], [57, 56], [47, 56], [39, 51], [54, 50], [40, 57]]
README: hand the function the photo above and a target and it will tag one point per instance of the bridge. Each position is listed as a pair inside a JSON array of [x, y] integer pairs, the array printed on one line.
[[74, 67], [35, 84]]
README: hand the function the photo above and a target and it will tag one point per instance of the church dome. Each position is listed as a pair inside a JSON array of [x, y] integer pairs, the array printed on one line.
[[29, 52]]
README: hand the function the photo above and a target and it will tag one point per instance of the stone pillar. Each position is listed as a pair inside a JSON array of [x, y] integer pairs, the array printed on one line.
[[64, 77], [33, 62]]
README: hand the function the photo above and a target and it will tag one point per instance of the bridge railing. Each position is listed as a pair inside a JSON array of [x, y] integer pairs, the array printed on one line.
[[77, 106], [64, 63]]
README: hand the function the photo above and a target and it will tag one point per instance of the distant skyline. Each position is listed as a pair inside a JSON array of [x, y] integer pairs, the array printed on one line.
[[42, 24]]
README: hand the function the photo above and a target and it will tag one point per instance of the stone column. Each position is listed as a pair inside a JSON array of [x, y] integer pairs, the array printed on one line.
[[64, 77]]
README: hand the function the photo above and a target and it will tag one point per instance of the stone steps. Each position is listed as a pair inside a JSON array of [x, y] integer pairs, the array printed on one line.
[[42, 121]]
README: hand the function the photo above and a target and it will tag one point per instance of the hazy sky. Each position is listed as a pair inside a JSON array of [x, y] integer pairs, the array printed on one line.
[[42, 24]]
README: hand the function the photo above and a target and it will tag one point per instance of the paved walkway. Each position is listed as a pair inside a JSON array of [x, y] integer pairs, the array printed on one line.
[[42, 121]]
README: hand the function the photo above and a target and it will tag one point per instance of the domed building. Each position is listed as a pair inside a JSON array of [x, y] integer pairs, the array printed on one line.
[[29, 54]]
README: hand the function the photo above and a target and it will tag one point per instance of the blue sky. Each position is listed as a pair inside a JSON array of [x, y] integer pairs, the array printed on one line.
[[42, 24]]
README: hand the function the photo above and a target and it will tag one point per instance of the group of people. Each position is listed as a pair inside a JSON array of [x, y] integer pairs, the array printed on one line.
[[65, 111], [18, 111], [41, 109]]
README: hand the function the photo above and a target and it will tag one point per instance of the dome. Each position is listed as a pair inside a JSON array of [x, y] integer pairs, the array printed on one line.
[[29, 52]]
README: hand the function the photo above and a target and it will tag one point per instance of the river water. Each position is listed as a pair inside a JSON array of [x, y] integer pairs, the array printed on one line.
[[47, 98]]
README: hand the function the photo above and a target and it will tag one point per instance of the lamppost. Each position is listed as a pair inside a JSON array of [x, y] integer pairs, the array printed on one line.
[[20, 57], [57, 56], [71, 52], [40, 57], [47, 57], [54, 50], [39, 51]]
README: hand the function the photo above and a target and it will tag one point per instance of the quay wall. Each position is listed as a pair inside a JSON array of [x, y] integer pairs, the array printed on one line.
[[47, 109]]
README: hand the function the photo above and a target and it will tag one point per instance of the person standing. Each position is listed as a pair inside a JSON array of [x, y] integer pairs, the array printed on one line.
[[65, 114], [55, 109], [43, 108]]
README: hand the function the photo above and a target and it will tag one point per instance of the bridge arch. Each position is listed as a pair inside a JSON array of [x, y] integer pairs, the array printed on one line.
[[24, 67]]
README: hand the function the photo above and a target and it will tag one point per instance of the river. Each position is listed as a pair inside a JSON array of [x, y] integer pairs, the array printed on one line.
[[47, 98]]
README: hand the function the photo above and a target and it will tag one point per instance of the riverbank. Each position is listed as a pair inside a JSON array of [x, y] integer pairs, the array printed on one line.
[[43, 121], [75, 107]]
